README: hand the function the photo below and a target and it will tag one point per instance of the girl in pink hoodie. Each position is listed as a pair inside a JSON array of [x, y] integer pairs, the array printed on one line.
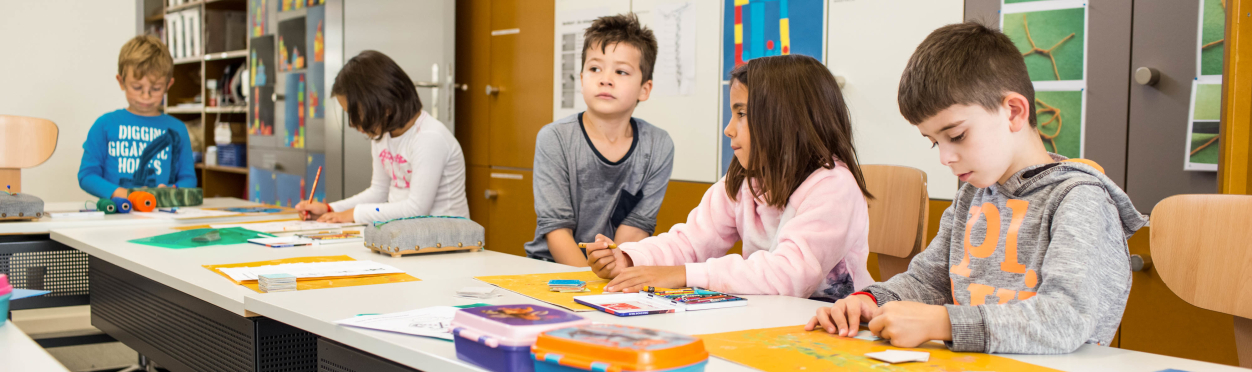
[[795, 197]]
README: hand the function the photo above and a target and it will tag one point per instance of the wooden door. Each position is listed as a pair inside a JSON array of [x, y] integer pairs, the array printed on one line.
[[473, 74], [511, 210], [1156, 320], [1164, 39], [521, 70]]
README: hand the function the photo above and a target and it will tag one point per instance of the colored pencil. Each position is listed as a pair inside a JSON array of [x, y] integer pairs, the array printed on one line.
[[313, 192], [584, 246]]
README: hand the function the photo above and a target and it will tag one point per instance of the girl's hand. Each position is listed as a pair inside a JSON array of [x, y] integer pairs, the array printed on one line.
[[634, 279], [606, 262], [119, 193], [910, 324], [337, 217], [311, 209], [845, 316]]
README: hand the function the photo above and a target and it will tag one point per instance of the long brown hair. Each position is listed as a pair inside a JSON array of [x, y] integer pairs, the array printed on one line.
[[381, 97], [797, 122]]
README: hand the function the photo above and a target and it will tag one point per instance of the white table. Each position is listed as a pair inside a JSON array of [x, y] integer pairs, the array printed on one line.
[[46, 224], [442, 274], [20, 353]]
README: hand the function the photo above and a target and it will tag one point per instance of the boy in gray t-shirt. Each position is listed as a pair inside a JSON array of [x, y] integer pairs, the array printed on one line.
[[602, 171]]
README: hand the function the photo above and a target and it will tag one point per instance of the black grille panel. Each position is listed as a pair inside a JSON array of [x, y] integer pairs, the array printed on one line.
[[336, 357], [283, 348], [166, 331]]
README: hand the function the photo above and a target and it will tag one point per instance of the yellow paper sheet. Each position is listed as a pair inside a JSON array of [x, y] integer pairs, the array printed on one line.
[[793, 349], [315, 283], [536, 286]]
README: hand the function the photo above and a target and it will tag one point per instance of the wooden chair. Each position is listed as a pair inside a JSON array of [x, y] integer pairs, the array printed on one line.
[[24, 143], [1202, 248], [897, 215]]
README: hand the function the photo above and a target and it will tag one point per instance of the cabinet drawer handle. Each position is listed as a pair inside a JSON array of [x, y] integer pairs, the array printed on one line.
[[1140, 263], [491, 194]]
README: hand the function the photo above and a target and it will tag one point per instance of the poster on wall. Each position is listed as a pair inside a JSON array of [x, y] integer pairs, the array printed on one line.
[[762, 28], [257, 20], [675, 30], [292, 130], [261, 86], [288, 189], [1204, 122], [314, 81], [261, 186], [291, 45], [570, 26], [1052, 37], [289, 5]]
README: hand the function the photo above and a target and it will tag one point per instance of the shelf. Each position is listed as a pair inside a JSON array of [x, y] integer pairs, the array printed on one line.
[[218, 168], [243, 53], [227, 110], [183, 110], [186, 60], [184, 6], [155, 18]]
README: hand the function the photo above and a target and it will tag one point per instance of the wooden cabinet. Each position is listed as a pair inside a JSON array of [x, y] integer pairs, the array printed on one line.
[[504, 64]]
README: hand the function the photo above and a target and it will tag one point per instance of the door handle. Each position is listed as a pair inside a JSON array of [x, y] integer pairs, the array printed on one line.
[[1140, 263], [460, 87], [491, 91], [491, 194], [1147, 76]]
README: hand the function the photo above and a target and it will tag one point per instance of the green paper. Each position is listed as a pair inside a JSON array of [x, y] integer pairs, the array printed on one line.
[[1208, 102], [186, 239], [1069, 141], [1048, 28]]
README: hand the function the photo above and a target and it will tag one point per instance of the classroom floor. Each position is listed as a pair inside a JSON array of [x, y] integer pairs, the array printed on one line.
[[75, 321]]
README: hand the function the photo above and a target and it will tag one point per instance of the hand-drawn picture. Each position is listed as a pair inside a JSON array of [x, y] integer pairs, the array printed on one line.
[[760, 28], [1204, 128], [1212, 36]]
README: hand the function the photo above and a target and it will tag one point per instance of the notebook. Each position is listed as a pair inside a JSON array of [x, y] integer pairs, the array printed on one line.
[[660, 302]]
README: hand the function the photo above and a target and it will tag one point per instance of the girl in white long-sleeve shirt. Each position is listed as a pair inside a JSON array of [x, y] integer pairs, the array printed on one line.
[[418, 165]]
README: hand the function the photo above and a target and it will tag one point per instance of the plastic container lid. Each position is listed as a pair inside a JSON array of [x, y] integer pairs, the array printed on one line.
[[511, 325], [5, 288], [612, 347]]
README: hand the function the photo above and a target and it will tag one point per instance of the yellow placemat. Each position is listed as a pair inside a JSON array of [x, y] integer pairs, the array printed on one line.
[[794, 349], [536, 286], [316, 283]]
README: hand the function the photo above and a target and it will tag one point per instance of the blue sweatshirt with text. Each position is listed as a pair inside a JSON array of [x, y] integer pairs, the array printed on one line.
[[120, 141]]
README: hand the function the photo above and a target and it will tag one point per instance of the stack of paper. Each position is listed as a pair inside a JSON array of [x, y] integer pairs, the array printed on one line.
[[311, 270], [277, 283], [567, 286]]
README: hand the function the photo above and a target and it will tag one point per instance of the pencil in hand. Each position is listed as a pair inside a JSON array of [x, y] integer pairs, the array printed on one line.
[[584, 246]]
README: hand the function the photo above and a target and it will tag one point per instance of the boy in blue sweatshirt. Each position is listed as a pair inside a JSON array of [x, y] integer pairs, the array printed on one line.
[[138, 146]]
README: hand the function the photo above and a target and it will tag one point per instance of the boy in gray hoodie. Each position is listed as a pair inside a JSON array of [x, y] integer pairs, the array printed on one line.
[[1031, 257]]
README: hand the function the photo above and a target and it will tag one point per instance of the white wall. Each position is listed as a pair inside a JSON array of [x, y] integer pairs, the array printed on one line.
[[868, 44], [59, 62]]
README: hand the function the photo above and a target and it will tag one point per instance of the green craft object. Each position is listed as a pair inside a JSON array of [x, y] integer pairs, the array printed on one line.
[[171, 197]]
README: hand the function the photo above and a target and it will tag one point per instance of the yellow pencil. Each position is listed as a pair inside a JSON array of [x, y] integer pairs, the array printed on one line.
[[584, 246]]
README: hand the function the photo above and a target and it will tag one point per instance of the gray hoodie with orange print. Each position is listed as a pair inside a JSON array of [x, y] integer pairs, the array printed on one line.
[[1037, 265]]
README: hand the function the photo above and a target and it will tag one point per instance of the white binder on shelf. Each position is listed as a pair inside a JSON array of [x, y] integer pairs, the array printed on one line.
[[192, 18], [175, 32]]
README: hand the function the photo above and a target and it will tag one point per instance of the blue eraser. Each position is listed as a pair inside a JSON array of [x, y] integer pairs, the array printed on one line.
[[571, 282]]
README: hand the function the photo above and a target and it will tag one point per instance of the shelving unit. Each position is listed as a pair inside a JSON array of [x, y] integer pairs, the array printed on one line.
[[190, 76]]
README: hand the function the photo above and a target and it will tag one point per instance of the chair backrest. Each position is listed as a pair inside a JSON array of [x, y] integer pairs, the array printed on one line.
[[24, 143], [897, 214], [1202, 248]]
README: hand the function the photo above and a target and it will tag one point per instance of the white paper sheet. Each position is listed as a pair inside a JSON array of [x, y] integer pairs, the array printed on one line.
[[184, 213], [675, 73], [430, 322], [286, 226], [311, 270]]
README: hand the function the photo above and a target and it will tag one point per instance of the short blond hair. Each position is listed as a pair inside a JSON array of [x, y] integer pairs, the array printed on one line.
[[145, 55]]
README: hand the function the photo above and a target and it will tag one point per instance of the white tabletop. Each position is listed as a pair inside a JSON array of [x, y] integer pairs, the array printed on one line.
[[20, 353], [44, 225], [442, 275]]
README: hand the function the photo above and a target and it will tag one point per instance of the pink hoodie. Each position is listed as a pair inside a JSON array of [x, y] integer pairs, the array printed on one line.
[[815, 247]]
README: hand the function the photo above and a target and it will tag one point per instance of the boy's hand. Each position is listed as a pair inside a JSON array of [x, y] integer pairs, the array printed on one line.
[[845, 317], [910, 324], [314, 209], [337, 217], [634, 279], [606, 262], [119, 193]]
